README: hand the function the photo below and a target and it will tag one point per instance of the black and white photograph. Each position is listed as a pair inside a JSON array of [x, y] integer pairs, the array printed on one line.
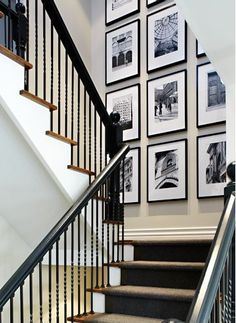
[[199, 50], [211, 152], [211, 96], [117, 10], [130, 177], [122, 53], [126, 102], [166, 38], [151, 3], [167, 100], [167, 171]]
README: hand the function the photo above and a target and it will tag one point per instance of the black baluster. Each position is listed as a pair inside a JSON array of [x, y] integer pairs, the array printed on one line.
[[233, 276], [21, 304], [50, 286], [72, 270], [85, 125], [59, 87], [103, 218], [97, 246], [31, 297], [92, 251], [5, 30], [78, 263], [85, 260], [57, 284], [44, 56], [52, 75], [26, 85], [72, 112], [9, 31], [36, 48], [108, 242], [95, 142], [78, 123], [12, 310], [90, 137], [66, 94], [40, 294], [113, 244], [123, 201], [65, 276]]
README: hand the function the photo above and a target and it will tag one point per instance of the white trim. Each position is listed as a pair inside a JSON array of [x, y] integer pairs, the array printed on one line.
[[170, 233]]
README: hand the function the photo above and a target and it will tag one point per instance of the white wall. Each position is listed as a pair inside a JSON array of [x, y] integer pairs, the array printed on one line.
[[193, 213]]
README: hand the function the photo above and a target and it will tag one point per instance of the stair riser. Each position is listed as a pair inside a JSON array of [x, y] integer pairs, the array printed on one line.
[[185, 279], [154, 308], [188, 253]]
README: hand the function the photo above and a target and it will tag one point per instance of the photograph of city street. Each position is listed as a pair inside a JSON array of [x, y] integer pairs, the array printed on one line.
[[166, 102], [124, 106], [216, 92]]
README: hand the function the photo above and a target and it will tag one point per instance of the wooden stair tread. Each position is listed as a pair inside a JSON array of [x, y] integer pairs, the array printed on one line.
[[81, 170], [101, 198], [80, 318], [112, 222], [8, 53], [61, 138], [38, 100]]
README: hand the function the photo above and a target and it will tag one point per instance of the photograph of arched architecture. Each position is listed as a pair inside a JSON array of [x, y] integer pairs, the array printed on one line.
[[122, 50], [211, 151], [166, 169], [166, 35]]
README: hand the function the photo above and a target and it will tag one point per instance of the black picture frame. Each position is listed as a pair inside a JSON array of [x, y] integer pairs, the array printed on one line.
[[163, 156], [171, 121], [149, 5], [207, 185], [133, 8], [199, 50], [209, 112], [131, 197], [178, 55], [133, 99], [122, 65]]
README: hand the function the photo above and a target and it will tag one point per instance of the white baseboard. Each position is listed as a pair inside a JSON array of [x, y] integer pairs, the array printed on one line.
[[170, 233]]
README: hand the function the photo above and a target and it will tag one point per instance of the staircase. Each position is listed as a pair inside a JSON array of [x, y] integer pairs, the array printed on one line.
[[158, 284]]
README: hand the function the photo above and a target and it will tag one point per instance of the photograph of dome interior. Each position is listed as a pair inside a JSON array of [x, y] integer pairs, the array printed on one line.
[[122, 50], [166, 102], [216, 170], [216, 92], [123, 105], [166, 35], [166, 169]]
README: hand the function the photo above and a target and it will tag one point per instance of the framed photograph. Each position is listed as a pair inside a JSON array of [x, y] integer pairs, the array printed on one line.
[[211, 96], [167, 171], [199, 50], [130, 181], [117, 10], [167, 102], [123, 53], [166, 38], [126, 101], [211, 165], [151, 3]]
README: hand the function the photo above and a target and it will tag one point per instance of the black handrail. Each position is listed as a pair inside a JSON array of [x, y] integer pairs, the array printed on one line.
[[37, 255], [76, 59]]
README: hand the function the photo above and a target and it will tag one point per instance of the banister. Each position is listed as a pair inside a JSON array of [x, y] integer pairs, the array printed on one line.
[[205, 295], [37, 255], [76, 59]]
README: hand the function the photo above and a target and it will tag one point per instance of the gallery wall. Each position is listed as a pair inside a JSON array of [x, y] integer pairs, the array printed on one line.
[[193, 213]]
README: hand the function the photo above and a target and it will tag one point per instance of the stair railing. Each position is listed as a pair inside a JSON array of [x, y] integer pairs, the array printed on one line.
[[52, 284], [215, 296]]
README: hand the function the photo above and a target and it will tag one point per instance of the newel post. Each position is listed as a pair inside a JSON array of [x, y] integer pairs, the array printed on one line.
[[114, 137], [231, 185]]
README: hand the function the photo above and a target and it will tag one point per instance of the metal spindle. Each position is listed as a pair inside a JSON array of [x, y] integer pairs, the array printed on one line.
[[66, 94], [72, 111], [26, 85], [85, 125], [65, 276], [59, 87], [12, 309], [21, 304], [92, 250], [50, 286], [78, 123], [103, 218], [36, 48], [9, 31], [90, 137], [108, 246], [72, 269], [85, 260], [123, 201], [97, 246], [31, 297], [44, 56], [57, 284], [113, 244], [5, 30], [78, 264], [40, 294], [52, 75]]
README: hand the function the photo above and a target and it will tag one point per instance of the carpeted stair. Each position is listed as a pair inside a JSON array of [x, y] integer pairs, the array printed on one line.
[[159, 284]]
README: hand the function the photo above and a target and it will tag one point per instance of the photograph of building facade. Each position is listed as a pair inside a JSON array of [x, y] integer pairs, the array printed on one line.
[[216, 170], [122, 50], [216, 92], [166, 35], [166, 169], [119, 3], [166, 102], [128, 175], [123, 105]]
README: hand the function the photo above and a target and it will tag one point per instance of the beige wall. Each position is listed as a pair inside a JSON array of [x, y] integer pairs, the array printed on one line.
[[178, 214]]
